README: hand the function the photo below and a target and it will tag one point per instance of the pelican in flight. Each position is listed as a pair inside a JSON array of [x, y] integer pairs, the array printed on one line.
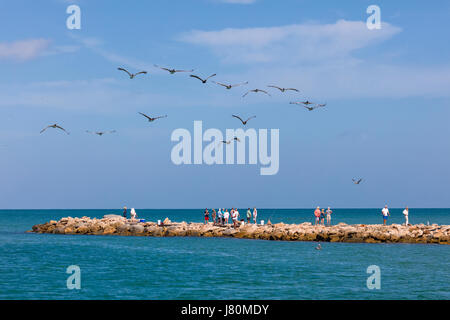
[[229, 141], [100, 133], [229, 86], [54, 126], [357, 181], [315, 107], [150, 119], [243, 122], [172, 71], [256, 91], [132, 75], [202, 80], [306, 103], [283, 89]]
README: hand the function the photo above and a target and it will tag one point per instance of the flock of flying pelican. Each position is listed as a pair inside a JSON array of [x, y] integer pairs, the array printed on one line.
[[131, 75], [310, 106]]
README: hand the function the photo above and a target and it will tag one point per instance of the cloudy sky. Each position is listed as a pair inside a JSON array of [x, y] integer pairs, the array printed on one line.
[[387, 92]]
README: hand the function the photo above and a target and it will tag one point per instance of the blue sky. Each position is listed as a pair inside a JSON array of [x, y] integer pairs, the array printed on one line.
[[387, 94]]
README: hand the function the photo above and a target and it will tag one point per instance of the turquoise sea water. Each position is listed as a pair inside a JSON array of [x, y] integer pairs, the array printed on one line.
[[33, 266]]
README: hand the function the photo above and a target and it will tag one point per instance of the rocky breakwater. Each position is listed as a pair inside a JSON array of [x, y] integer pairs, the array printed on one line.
[[116, 225]]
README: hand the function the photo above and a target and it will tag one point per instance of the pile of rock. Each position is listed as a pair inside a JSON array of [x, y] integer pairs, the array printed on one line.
[[117, 225]]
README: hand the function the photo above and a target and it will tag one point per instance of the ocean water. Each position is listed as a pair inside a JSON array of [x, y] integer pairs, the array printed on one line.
[[33, 266]]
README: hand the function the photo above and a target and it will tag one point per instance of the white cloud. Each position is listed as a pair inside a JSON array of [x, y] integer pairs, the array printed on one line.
[[24, 49], [321, 60], [290, 43], [95, 45], [102, 96], [355, 79]]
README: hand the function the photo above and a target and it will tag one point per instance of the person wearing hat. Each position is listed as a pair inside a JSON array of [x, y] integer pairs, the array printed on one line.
[[317, 215]]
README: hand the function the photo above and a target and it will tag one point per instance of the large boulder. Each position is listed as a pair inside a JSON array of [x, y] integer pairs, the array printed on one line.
[[109, 230], [83, 229], [137, 229]]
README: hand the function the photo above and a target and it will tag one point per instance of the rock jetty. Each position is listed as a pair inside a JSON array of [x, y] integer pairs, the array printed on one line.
[[117, 225]]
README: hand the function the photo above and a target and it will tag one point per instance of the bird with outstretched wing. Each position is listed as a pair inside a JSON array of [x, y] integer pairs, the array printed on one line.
[[54, 126], [243, 122], [202, 80], [150, 119]]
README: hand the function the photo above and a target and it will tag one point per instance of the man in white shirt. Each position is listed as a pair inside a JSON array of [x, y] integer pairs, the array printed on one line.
[[385, 212], [226, 215], [255, 215], [235, 217], [406, 213]]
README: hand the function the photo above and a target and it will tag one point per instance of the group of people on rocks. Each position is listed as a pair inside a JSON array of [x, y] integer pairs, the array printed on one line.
[[385, 213], [133, 214], [320, 216], [222, 216]]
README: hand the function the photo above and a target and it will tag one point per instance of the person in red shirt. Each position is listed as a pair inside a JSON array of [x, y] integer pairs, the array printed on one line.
[[206, 216], [317, 215]]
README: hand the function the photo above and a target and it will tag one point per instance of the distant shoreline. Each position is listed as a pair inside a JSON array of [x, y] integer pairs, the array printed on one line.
[[362, 233]]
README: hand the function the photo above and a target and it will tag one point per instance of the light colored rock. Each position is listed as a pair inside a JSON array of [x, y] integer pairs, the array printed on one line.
[[116, 225], [137, 229]]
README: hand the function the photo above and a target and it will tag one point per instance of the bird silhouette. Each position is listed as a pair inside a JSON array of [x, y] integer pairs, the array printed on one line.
[[150, 119], [357, 181], [302, 102], [243, 122], [229, 86], [229, 141], [306, 104], [283, 89], [202, 80], [100, 133], [172, 71], [132, 75], [54, 126], [256, 91]]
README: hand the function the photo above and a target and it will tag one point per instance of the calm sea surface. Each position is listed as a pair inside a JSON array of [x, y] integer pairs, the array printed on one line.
[[33, 266]]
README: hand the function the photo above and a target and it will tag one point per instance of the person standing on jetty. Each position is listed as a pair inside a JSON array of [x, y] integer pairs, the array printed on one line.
[[255, 215], [133, 214], [385, 213], [235, 217], [226, 215], [206, 216], [249, 215], [214, 215], [322, 217], [125, 212], [406, 213], [329, 212], [317, 215], [219, 216]]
